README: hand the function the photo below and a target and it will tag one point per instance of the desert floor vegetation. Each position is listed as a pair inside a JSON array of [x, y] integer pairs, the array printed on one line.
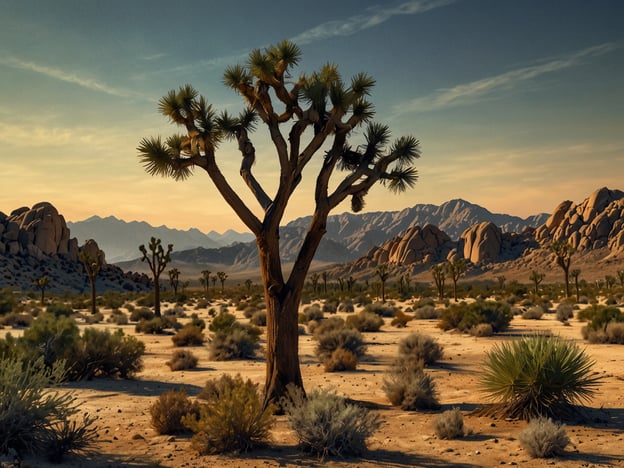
[[136, 416]]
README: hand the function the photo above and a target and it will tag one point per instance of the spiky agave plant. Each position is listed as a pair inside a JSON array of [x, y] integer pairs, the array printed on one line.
[[537, 375]]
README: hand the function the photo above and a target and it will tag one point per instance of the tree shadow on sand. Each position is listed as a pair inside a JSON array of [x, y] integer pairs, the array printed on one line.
[[136, 387]]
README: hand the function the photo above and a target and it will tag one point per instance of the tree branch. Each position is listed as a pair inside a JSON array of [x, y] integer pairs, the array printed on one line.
[[249, 155]]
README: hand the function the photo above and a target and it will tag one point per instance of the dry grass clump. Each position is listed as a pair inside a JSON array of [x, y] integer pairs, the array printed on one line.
[[481, 330], [401, 319], [340, 360], [381, 308], [189, 335], [450, 424], [327, 425], [232, 419], [410, 388], [231, 339], [182, 359], [310, 313], [167, 412], [543, 438], [259, 318], [419, 347], [565, 311], [427, 311]]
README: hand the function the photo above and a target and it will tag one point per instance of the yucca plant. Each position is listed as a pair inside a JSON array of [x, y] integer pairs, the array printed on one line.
[[537, 375]]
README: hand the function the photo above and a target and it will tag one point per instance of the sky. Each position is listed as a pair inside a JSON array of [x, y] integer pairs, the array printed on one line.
[[518, 105]]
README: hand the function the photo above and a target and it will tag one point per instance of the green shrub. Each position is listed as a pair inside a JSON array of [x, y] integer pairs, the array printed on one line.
[[94, 318], [537, 375], [465, 316], [51, 337], [450, 424], [613, 333], [118, 317], [16, 320], [167, 412], [182, 359], [141, 313], [542, 438], [222, 322], [599, 316], [101, 353], [59, 309], [189, 335], [7, 300], [236, 343], [364, 321], [326, 425], [419, 347], [35, 418], [232, 419], [345, 338]]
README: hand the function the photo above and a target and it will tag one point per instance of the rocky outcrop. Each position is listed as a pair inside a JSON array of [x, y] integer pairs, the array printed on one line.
[[597, 222], [482, 242], [36, 231], [36, 242]]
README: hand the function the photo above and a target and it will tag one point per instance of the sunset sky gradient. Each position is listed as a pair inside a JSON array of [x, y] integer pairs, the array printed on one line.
[[518, 105]]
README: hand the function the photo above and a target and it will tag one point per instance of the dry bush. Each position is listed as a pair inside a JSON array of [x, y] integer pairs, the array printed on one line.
[[427, 311], [380, 308], [345, 338], [167, 412], [249, 311], [420, 347], [259, 318], [401, 319], [533, 313], [189, 335], [410, 388], [543, 438], [481, 330], [236, 343], [565, 311], [312, 312], [327, 425], [232, 419], [182, 359], [332, 323], [364, 321], [341, 360], [450, 424]]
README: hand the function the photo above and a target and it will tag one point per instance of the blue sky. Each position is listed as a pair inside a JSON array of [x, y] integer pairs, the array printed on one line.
[[518, 104]]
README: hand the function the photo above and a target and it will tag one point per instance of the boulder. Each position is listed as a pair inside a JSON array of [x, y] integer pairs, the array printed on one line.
[[482, 242]]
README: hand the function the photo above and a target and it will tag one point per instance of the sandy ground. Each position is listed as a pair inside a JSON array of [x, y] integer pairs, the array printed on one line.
[[406, 438]]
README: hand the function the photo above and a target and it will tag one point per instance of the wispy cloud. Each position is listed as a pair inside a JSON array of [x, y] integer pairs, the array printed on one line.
[[62, 75], [474, 91], [372, 17]]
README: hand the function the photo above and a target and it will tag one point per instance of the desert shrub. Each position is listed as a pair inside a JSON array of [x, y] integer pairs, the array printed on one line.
[[380, 308], [141, 313], [7, 301], [613, 333], [419, 347], [332, 323], [364, 321], [564, 312], [259, 318], [401, 319], [94, 318], [222, 322], [232, 419], [182, 359], [543, 438], [408, 386], [102, 353], [189, 335], [340, 360], [345, 338], [196, 321], [346, 306], [537, 375], [59, 309], [327, 425], [331, 307], [312, 312], [51, 337], [481, 330], [157, 325], [427, 311], [167, 412], [450, 424], [16, 320], [599, 316], [35, 418], [248, 311], [236, 343], [465, 316], [533, 313], [118, 317]]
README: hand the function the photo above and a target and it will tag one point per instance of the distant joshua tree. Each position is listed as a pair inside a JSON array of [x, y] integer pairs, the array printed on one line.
[[575, 274], [157, 259], [42, 284], [383, 274], [455, 269], [205, 280], [222, 275], [324, 276], [501, 282], [174, 280], [92, 259], [620, 274], [536, 278], [248, 284], [314, 278], [439, 276], [563, 253]]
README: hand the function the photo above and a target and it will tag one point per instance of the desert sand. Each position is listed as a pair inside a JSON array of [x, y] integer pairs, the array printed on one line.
[[406, 438]]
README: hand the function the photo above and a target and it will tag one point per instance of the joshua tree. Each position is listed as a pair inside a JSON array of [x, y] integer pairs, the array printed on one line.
[[439, 276], [455, 269], [42, 284], [222, 275], [174, 280], [92, 259], [620, 274], [350, 283], [157, 260], [214, 282], [563, 253], [324, 276], [383, 274], [315, 279], [205, 280], [536, 278], [501, 282], [575, 274], [248, 284], [314, 113], [610, 281]]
